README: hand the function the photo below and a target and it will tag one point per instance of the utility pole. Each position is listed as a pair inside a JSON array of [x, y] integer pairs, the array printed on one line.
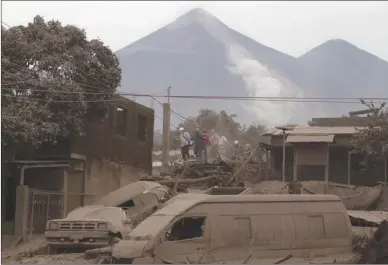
[[166, 131], [284, 129], [385, 153]]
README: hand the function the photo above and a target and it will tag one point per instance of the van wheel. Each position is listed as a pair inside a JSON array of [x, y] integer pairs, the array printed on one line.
[[114, 240]]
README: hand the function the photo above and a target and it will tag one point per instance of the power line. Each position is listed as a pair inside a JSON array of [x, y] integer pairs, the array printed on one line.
[[261, 98], [254, 98], [5, 24], [172, 111], [171, 125], [264, 99]]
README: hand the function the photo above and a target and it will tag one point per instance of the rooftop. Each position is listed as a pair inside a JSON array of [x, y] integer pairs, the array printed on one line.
[[314, 130]]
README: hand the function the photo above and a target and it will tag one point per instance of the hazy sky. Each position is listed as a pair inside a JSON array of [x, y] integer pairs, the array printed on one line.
[[290, 27]]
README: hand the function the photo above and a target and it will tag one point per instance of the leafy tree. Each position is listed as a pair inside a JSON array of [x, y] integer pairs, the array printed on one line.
[[53, 81], [371, 140]]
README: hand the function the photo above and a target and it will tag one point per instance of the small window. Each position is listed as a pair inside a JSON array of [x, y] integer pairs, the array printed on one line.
[[142, 128], [239, 231], [316, 226], [121, 121], [186, 228]]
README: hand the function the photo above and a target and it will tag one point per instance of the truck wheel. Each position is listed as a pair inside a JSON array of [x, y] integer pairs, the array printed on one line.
[[114, 240]]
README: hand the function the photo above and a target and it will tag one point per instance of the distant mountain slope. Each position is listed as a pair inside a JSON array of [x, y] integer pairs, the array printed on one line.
[[199, 55], [337, 68]]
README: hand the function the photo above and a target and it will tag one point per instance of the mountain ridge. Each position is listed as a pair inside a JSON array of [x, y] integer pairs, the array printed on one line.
[[198, 54]]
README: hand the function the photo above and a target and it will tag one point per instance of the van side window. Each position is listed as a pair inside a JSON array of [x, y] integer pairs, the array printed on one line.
[[233, 230], [241, 232], [186, 228], [316, 226]]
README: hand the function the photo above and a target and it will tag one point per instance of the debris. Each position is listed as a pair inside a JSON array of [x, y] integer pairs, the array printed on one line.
[[283, 259], [166, 261], [376, 250], [359, 198], [246, 260], [241, 168], [94, 253]]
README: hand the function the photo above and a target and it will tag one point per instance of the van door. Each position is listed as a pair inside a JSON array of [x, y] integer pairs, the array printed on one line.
[[186, 238], [230, 239]]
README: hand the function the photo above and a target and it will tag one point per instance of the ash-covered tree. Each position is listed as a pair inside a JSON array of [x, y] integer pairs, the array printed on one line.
[[53, 80], [371, 140]]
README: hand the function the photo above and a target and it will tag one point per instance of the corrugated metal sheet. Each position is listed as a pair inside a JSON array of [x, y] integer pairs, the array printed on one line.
[[310, 138], [369, 216], [315, 130]]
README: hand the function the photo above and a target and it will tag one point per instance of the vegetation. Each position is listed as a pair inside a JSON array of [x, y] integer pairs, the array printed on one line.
[[371, 140], [53, 81]]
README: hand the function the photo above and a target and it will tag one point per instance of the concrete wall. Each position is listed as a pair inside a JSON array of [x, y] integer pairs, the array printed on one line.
[[103, 176], [103, 141]]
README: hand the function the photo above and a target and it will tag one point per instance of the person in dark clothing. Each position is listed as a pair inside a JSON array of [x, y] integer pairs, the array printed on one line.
[[197, 138]]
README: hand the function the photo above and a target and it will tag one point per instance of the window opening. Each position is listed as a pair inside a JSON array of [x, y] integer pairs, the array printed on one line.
[[121, 121], [186, 228], [142, 128]]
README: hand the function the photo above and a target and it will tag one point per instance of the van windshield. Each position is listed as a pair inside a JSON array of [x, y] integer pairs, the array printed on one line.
[[150, 227]]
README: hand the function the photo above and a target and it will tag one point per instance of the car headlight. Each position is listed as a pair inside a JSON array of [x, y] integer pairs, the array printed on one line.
[[102, 226], [53, 226]]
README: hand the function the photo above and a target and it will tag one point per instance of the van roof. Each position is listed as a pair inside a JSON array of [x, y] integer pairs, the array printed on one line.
[[183, 202]]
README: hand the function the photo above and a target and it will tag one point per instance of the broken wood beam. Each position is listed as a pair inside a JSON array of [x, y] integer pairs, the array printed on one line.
[[186, 181], [283, 259], [174, 189], [242, 166], [93, 253]]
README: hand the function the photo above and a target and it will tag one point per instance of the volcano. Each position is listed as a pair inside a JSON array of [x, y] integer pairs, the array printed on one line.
[[197, 54]]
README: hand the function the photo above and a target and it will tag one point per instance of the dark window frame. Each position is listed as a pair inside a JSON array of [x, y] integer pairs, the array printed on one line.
[[121, 118], [142, 132]]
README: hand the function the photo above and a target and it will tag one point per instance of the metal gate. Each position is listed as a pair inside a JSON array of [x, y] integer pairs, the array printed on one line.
[[43, 206]]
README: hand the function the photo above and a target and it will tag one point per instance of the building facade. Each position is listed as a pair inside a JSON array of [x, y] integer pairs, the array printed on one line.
[[50, 182], [321, 151]]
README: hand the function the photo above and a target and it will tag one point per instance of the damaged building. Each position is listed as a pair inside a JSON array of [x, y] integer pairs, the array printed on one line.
[[53, 180], [320, 151]]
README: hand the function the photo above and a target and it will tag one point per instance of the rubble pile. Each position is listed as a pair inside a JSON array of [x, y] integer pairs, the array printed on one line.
[[376, 250], [198, 175], [354, 197]]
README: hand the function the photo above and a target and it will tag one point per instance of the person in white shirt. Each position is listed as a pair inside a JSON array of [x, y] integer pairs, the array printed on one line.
[[185, 143], [215, 141], [222, 145]]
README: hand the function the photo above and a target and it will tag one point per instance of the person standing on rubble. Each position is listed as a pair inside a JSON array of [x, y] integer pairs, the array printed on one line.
[[222, 147], [197, 138], [185, 143], [215, 141], [205, 144], [237, 149]]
